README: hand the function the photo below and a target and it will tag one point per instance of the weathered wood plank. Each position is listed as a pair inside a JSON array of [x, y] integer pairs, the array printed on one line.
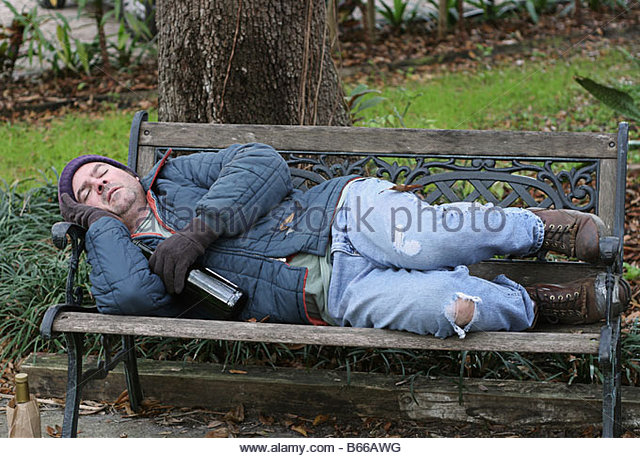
[[304, 392], [607, 192], [146, 160], [381, 141], [321, 335], [528, 272]]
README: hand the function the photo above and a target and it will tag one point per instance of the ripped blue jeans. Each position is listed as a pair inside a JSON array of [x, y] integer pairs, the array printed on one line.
[[399, 263]]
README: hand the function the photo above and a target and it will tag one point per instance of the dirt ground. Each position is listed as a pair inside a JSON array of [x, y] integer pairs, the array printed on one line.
[[110, 422]]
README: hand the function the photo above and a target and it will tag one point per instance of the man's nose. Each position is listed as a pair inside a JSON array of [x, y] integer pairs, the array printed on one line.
[[100, 185]]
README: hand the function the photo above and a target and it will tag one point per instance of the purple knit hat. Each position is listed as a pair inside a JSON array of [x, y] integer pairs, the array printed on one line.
[[66, 177]]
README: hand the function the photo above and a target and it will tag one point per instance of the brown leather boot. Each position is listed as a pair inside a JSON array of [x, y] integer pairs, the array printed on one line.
[[572, 233], [579, 302]]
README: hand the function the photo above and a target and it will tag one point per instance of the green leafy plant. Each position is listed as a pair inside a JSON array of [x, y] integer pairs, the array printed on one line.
[[129, 49], [98, 11], [32, 271], [73, 57], [398, 15], [356, 102], [23, 30], [619, 100], [535, 8], [11, 39], [397, 116], [631, 272], [123, 46], [452, 11], [490, 10], [141, 28]]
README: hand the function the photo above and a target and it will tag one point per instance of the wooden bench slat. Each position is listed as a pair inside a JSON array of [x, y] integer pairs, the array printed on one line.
[[382, 141], [527, 272], [536, 342]]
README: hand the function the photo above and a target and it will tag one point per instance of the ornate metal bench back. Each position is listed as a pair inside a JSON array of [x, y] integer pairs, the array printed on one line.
[[503, 181]]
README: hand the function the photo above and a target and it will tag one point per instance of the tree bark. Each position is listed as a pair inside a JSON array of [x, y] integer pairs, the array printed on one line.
[[247, 62], [462, 28], [442, 19]]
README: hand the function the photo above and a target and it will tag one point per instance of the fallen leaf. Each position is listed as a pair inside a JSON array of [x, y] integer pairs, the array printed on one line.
[[123, 396], [235, 415], [236, 371], [300, 429], [405, 187], [267, 421], [320, 419], [55, 431], [217, 433]]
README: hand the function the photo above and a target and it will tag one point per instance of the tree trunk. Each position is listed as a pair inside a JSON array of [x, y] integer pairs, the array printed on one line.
[[442, 18], [462, 28], [247, 62], [9, 56], [102, 36]]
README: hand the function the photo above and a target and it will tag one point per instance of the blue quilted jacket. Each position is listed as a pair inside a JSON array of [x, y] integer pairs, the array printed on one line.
[[243, 192]]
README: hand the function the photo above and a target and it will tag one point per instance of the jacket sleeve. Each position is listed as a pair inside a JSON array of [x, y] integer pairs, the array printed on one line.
[[121, 280], [243, 183]]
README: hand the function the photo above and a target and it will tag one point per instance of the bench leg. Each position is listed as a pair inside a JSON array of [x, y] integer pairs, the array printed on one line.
[[74, 384], [611, 369], [131, 372]]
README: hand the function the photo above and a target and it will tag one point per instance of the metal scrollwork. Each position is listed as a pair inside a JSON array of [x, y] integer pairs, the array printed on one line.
[[504, 181]]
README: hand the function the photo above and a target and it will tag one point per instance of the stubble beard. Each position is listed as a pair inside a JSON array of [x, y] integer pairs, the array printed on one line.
[[126, 203]]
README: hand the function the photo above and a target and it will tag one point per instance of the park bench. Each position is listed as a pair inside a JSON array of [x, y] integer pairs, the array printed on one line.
[[582, 171]]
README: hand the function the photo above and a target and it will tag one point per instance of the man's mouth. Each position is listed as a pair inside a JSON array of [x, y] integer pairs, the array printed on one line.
[[110, 193]]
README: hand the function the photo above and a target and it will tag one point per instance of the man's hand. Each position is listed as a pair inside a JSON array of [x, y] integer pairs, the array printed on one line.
[[83, 215], [174, 256]]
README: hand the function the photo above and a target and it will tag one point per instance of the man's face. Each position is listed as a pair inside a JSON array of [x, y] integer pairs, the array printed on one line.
[[107, 187]]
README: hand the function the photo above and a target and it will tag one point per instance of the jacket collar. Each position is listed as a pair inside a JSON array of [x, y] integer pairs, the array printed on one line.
[[147, 183], [150, 178]]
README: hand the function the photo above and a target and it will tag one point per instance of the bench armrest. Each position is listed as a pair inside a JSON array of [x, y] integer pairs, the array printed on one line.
[[62, 234], [46, 327]]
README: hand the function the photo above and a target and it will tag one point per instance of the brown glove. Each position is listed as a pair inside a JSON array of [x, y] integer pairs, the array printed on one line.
[[174, 256], [81, 214]]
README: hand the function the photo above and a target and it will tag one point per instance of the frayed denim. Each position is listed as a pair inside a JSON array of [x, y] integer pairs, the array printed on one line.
[[399, 263]]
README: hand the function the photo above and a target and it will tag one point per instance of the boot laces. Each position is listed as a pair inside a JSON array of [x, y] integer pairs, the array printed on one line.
[[557, 306], [555, 237]]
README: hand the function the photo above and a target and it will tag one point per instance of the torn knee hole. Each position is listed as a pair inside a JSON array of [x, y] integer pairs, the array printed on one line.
[[463, 310]]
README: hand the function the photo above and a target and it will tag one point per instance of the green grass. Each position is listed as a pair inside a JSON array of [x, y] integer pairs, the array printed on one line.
[[32, 270], [532, 96], [42, 149]]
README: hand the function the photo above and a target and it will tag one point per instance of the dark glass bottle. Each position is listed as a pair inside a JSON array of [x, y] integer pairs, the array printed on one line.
[[208, 289]]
